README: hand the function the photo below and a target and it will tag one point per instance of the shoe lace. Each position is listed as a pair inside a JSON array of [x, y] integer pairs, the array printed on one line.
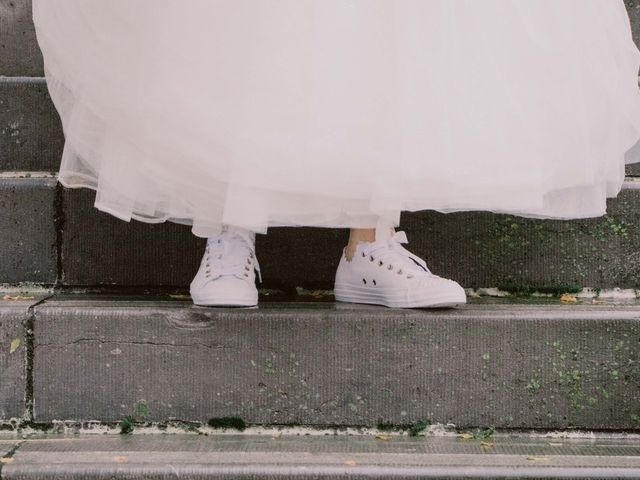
[[230, 254], [392, 254]]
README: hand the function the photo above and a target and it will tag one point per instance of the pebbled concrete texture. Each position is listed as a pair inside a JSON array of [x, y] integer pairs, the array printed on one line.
[[27, 231], [99, 249], [319, 457], [31, 136], [543, 366], [13, 324], [478, 249], [19, 51]]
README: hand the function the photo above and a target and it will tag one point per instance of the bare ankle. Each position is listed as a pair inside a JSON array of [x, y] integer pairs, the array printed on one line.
[[357, 236]]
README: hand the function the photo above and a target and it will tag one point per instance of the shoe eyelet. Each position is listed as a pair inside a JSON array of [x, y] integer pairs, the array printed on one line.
[[400, 271], [207, 271], [364, 254], [249, 261], [380, 263], [375, 283], [251, 254], [390, 267], [371, 259], [246, 275], [247, 269], [364, 280], [409, 276], [207, 265]]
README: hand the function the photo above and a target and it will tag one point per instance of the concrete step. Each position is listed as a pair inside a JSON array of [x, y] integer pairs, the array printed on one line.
[[276, 456], [494, 363], [54, 236]]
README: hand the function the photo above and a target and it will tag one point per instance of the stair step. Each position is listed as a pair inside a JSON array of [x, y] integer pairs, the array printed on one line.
[[20, 51], [31, 137], [492, 363], [318, 457], [55, 236], [28, 238], [478, 249]]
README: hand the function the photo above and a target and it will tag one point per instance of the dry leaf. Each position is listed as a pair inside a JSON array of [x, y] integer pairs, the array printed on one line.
[[534, 458], [6, 459], [568, 298], [466, 436], [350, 462], [17, 297], [384, 437], [486, 444], [15, 343]]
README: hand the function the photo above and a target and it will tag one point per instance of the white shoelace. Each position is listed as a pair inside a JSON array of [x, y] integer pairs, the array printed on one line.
[[230, 254], [390, 254]]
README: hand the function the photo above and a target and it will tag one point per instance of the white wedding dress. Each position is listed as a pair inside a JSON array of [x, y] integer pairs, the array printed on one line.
[[339, 113]]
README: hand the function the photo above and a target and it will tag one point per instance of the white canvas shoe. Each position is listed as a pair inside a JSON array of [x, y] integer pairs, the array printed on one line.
[[227, 271], [385, 273]]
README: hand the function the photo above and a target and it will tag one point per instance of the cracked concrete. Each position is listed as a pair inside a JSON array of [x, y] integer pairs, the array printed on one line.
[[556, 366]]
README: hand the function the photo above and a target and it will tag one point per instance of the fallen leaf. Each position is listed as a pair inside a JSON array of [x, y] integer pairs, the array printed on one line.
[[384, 437], [466, 436], [15, 343], [486, 444], [568, 298], [180, 297], [17, 297], [594, 301], [6, 459], [534, 458], [350, 462]]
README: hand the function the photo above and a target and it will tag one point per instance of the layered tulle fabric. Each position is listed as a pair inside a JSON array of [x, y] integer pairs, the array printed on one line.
[[339, 113]]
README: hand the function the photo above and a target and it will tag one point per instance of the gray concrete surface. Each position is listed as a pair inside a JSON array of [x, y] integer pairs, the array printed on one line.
[[98, 249], [13, 318], [27, 233], [19, 51], [513, 366], [254, 456], [30, 132]]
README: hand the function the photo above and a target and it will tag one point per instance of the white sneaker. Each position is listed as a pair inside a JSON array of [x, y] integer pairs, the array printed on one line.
[[227, 272], [385, 273]]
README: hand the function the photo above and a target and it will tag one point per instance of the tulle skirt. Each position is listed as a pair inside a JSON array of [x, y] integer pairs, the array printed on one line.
[[340, 113]]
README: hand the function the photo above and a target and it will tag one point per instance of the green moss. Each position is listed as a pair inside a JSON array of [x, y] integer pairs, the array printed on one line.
[[141, 409], [126, 425], [533, 386], [484, 433], [414, 428], [227, 422], [418, 427]]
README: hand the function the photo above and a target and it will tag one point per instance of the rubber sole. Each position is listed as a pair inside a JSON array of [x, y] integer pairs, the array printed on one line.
[[357, 294], [226, 302]]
